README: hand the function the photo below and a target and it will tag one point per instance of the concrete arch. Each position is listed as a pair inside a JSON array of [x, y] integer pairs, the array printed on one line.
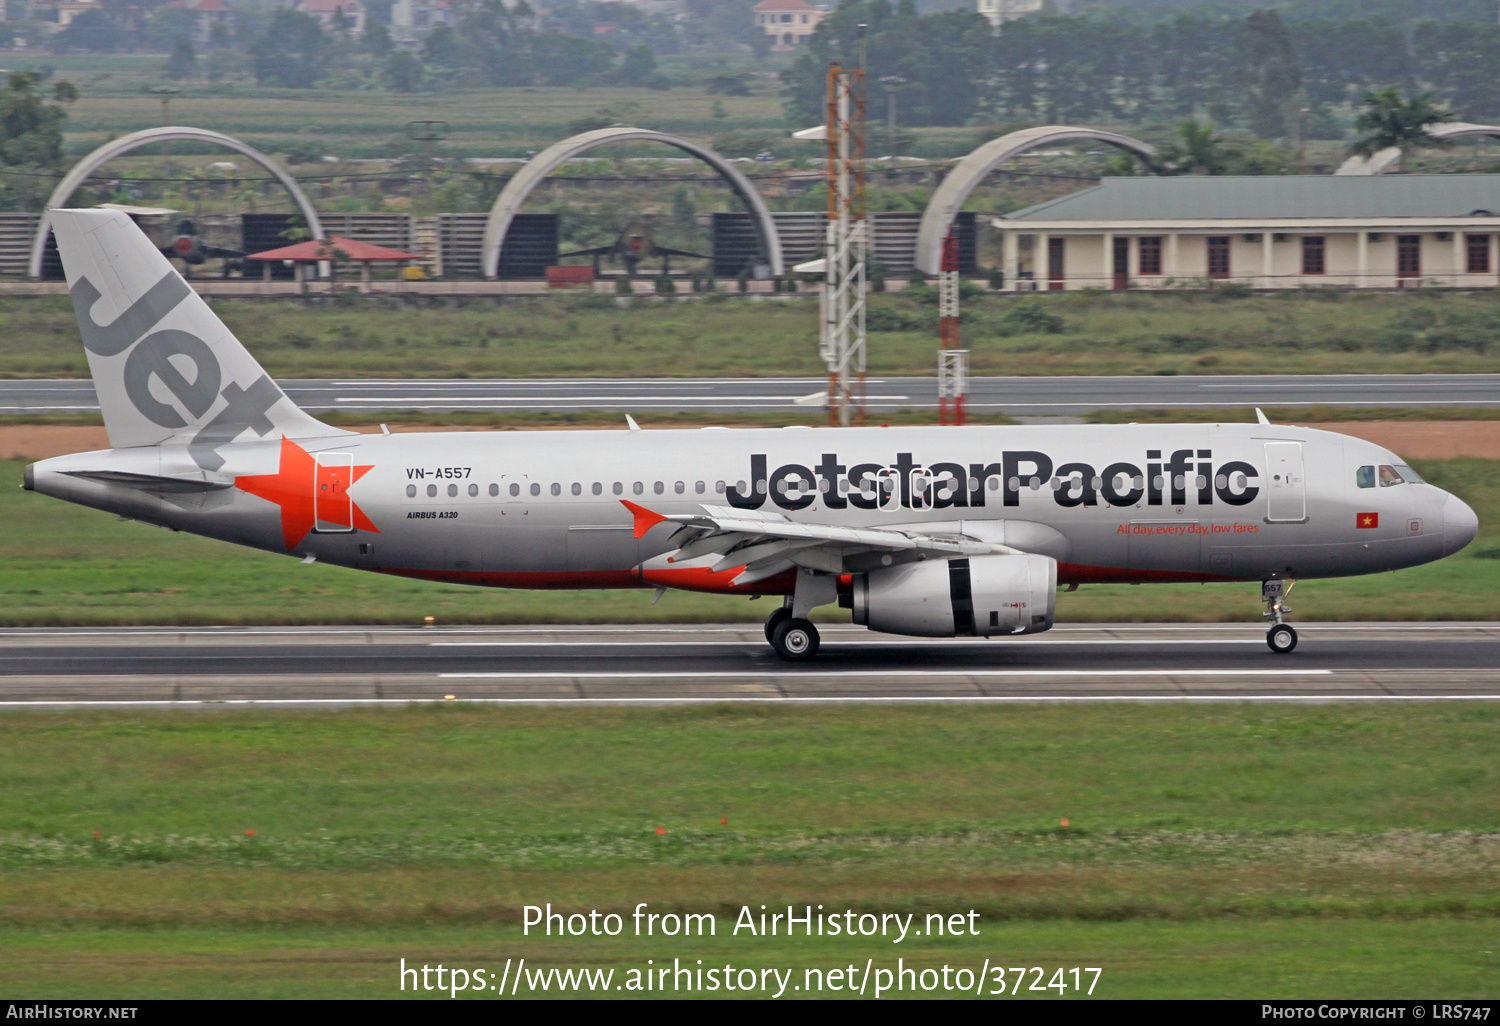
[[966, 175], [134, 141], [1380, 162], [509, 202]]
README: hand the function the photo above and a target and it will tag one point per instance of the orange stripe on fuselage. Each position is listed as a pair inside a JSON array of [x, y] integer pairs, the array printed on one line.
[[681, 578]]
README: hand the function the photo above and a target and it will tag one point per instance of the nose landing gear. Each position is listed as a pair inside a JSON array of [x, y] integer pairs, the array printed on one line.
[[1281, 638]]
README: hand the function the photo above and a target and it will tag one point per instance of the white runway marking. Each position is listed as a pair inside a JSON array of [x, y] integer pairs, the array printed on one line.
[[804, 674], [875, 700]]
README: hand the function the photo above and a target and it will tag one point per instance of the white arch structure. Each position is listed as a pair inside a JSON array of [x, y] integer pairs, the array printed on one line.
[[134, 141], [953, 193], [509, 202], [1381, 161]]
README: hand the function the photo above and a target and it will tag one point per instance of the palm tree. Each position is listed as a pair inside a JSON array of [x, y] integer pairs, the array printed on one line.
[[1390, 122]]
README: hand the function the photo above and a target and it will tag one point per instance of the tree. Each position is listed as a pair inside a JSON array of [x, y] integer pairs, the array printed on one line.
[[403, 72], [637, 66], [182, 63], [1200, 150], [30, 129], [166, 24], [377, 38], [291, 52], [1274, 77], [1459, 62], [945, 57], [1390, 121], [92, 31]]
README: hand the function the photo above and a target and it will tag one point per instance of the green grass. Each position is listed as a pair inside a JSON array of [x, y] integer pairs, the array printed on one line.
[[565, 336], [63, 564], [1246, 850]]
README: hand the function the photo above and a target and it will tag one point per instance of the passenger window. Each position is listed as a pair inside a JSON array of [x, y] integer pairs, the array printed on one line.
[[598, 488], [431, 491], [536, 489], [698, 487], [452, 490], [719, 487], [1389, 477], [638, 488], [411, 491], [556, 488], [473, 490], [577, 488], [658, 488], [678, 487], [619, 488], [494, 489]]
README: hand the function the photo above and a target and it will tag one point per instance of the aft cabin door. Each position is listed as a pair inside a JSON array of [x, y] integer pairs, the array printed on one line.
[[1286, 487], [333, 510]]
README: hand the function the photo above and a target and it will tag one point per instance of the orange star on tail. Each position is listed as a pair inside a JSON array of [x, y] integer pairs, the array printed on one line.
[[309, 493]]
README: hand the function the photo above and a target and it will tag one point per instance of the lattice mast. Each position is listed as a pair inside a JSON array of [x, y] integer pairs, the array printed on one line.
[[953, 362], [843, 300]]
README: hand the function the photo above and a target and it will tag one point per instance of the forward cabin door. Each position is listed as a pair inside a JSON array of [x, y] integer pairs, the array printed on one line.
[[1286, 486], [333, 509]]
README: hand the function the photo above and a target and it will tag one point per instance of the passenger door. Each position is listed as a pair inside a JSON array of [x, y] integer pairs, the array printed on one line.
[[1286, 484]]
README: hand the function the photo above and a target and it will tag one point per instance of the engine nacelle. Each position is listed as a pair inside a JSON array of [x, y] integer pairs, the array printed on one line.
[[980, 595]]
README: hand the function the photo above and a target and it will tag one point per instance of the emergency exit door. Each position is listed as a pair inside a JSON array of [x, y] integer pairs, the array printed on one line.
[[1285, 483], [333, 509]]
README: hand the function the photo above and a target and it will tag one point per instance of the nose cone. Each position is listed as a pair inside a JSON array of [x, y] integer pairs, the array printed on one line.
[[1460, 525]]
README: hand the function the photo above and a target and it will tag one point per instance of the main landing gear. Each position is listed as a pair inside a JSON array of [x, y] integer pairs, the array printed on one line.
[[1281, 637], [794, 638]]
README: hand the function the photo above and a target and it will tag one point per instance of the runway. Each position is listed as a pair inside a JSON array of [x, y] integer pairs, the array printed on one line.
[[323, 667], [1019, 396]]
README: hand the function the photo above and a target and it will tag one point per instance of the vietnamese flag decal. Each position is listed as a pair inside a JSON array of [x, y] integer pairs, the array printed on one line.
[[1363, 520], [292, 488]]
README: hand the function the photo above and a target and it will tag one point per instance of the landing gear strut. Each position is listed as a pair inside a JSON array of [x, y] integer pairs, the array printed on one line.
[[1281, 637]]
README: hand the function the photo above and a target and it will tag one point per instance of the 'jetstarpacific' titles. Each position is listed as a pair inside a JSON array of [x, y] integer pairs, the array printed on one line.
[[943, 485]]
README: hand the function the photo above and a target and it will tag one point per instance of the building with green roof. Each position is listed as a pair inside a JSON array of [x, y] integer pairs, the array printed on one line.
[[1269, 232]]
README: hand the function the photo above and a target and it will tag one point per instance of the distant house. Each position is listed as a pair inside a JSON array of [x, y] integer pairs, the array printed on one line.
[[1268, 232], [210, 13], [1000, 11], [70, 9], [789, 23], [412, 20], [327, 12]]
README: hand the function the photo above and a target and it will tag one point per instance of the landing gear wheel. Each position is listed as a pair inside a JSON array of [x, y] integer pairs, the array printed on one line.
[[775, 620], [795, 640], [1282, 638]]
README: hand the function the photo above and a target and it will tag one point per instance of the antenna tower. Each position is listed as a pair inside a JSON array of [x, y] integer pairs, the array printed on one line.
[[843, 336], [953, 362]]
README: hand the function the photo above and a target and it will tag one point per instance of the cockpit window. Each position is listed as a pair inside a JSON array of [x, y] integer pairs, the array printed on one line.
[[1409, 475], [1364, 477], [1389, 476]]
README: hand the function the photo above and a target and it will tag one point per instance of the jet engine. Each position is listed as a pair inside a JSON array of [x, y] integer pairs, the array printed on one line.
[[980, 596]]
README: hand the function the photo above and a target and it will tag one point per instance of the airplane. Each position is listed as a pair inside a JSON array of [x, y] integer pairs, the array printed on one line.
[[919, 531], [192, 249], [634, 245]]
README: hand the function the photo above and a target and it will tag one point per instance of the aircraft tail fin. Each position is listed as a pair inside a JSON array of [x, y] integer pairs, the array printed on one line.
[[165, 368]]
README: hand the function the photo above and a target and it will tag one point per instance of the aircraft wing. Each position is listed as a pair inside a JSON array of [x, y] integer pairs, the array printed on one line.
[[767, 544], [682, 253]]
